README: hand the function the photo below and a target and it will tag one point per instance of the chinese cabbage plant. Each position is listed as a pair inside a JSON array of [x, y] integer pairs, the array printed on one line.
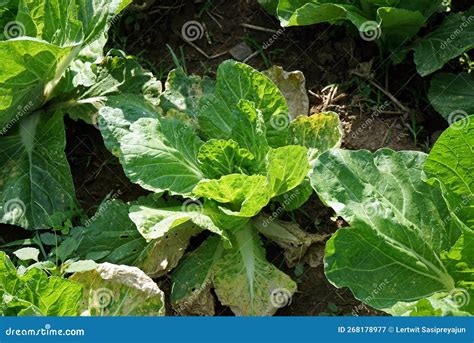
[[229, 148], [409, 247], [53, 64], [49, 49]]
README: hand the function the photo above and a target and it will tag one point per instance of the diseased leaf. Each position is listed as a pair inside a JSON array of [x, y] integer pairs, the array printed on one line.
[[163, 254], [451, 95], [397, 227], [293, 87], [36, 181], [246, 282], [289, 236], [155, 223], [183, 92], [118, 290], [319, 133], [450, 40], [192, 280], [111, 236], [120, 113]]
